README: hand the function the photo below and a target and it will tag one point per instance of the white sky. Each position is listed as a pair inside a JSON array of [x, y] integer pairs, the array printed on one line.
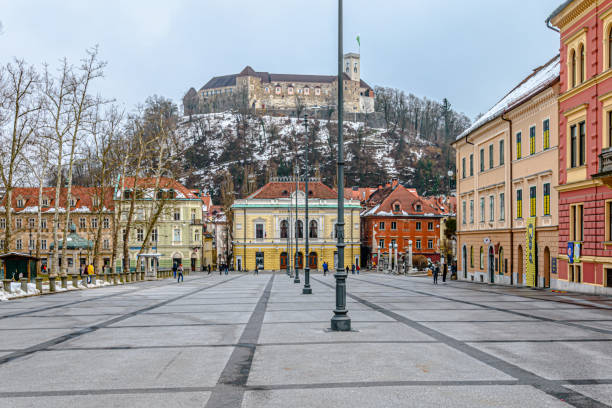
[[470, 51]]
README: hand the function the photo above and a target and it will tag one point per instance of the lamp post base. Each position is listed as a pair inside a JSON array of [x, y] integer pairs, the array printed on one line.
[[340, 322], [297, 278], [307, 291]]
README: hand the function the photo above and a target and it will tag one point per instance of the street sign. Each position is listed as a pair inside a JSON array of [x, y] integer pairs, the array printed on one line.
[[570, 252]]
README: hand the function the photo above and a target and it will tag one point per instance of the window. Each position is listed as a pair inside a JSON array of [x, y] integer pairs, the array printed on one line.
[[502, 206], [430, 244], [491, 208], [1, 244], [139, 234], [317, 91], [300, 229], [381, 243], [573, 68], [481, 258], [463, 167], [32, 245], [259, 231], [94, 223], [472, 164], [417, 208], [532, 136], [290, 90], [482, 209], [609, 226], [418, 225], [463, 212], [393, 225], [18, 223], [490, 156], [418, 244], [306, 91], [532, 201], [106, 223], [177, 215], [154, 235], [471, 211], [19, 203], [430, 226], [396, 207], [18, 244], [278, 90], [519, 203], [267, 89], [582, 143], [518, 146], [313, 229], [43, 223], [45, 202], [393, 245], [43, 244], [31, 223], [501, 152], [82, 223], [546, 198], [355, 68], [283, 229], [72, 202], [471, 257], [482, 167], [546, 134], [576, 222], [582, 65], [573, 146], [176, 237], [196, 236], [106, 244], [610, 48], [2, 223], [381, 225]]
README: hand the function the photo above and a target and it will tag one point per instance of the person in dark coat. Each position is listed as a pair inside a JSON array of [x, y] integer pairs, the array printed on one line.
[[436, 271], [353, 269], [444, 271], [179, 270]]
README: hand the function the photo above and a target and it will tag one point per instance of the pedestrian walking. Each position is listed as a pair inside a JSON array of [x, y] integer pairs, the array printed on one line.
[[353, 269], [209, 269], [226, 269], [347, 269], [324, 268], [174, 268], [90, 272], [436, 270], [357, 269], [453, 269], [179, 271]]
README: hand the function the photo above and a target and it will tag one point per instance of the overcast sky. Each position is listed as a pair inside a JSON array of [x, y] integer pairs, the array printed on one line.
[[471, 51]]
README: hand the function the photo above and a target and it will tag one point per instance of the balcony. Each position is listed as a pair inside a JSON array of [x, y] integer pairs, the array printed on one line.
[[605, 167], [195, 221]]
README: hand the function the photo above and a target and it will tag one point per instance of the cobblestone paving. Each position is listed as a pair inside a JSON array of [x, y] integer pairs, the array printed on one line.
[[256, 341]]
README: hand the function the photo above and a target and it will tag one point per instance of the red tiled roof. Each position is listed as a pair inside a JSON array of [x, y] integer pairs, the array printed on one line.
[[280, 189], [82, 195], [165, 183], [385, 198], [358, 193]]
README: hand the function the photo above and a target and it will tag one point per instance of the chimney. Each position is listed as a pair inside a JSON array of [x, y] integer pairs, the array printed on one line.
[[394, 182]]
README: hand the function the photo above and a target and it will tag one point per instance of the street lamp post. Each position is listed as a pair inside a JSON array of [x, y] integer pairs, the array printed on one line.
[[307, 289], [340, 321], [288, 257], [297, 223]]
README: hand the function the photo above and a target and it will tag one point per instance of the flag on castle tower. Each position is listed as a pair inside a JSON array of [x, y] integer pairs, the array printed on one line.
[[359, 41]]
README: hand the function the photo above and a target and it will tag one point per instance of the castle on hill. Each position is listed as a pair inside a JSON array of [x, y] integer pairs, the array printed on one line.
[[265, 91]]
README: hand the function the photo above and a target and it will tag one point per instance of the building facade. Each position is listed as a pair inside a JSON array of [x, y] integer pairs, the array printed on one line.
[[265, 227], [91, 215], [177, 232], [507, 172], [266, 91], [396, 216], [585, 145]]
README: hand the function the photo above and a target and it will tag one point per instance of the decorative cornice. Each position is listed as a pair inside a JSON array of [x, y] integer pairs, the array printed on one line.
[[573, 14]]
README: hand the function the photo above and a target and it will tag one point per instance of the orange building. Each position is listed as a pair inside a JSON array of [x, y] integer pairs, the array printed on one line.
[[395, 215]]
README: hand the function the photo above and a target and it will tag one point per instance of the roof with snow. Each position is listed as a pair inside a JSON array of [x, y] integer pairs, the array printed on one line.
[[25, 199], [165, 183], [282, 189], [540, 79], [399, 201]]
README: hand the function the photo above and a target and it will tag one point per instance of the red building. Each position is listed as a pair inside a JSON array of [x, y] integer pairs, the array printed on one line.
[[394, 215], [585, 146]]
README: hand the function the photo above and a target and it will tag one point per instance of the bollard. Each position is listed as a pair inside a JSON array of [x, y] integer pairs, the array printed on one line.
[[75, 281], [7, 285], [142, 276], [64, 280], [24, 284], [123, 277], [113, 277], [51, 283], [134, 276], [109, 277], [137, 276], [94, 277], [39, 284], [128, 277]]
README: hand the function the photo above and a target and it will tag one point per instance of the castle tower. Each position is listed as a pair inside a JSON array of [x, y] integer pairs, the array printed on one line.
[[351, 66]]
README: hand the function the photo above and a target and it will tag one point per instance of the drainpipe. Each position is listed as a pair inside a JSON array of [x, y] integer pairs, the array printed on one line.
[[511, 214]]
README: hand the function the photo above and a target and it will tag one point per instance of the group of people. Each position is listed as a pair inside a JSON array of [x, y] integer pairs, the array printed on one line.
[[87, 270], [437, 268]]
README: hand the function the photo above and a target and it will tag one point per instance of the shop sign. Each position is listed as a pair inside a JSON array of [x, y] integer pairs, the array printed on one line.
[[530, 254]]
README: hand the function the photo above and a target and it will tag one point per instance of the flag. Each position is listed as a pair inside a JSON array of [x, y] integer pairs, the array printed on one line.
[[359, 41]]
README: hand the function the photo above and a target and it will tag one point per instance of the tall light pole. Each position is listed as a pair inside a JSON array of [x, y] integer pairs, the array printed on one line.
[[307, 289], [288, 237], [297, 236], [340, 321]]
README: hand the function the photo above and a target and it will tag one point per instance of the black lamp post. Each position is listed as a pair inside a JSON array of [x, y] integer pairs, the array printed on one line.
[[297, 224], [307, 289], [340, 321]]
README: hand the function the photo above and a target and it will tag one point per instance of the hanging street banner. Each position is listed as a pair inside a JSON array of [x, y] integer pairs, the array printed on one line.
[[530, 253]]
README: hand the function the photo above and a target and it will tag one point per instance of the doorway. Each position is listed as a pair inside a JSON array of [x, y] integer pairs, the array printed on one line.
[[464, 260], [312, 260], [283, 260], [491, 265], [546, 267], [300, 260], [259, 260], [519, 274], [193, 264]]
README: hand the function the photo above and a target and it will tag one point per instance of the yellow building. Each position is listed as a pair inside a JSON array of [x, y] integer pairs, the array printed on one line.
[[265, 227]]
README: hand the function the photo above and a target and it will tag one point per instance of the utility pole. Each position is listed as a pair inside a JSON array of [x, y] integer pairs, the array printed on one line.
[[340, 321]]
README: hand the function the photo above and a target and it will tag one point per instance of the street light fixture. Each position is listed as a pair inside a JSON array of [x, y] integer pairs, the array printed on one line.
[[297, 223], [340, 321], [307, 289]]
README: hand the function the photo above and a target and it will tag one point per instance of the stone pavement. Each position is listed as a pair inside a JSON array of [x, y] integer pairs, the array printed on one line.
[[255, 341]]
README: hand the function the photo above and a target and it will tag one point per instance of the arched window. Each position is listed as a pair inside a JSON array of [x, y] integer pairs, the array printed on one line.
[[481, 259], [300, 229], [582, 64], [573, 68], [610, 48], [501, 260], [471, 257], [283, 227], [313, 230]]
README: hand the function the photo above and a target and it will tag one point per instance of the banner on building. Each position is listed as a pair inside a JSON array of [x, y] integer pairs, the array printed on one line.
[[530, 253]]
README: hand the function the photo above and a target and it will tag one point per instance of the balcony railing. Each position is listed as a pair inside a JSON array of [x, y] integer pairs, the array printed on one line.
[[605, 161], [195, 221]]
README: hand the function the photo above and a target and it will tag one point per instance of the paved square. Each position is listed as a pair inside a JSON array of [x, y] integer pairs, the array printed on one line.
[[256, 341]]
